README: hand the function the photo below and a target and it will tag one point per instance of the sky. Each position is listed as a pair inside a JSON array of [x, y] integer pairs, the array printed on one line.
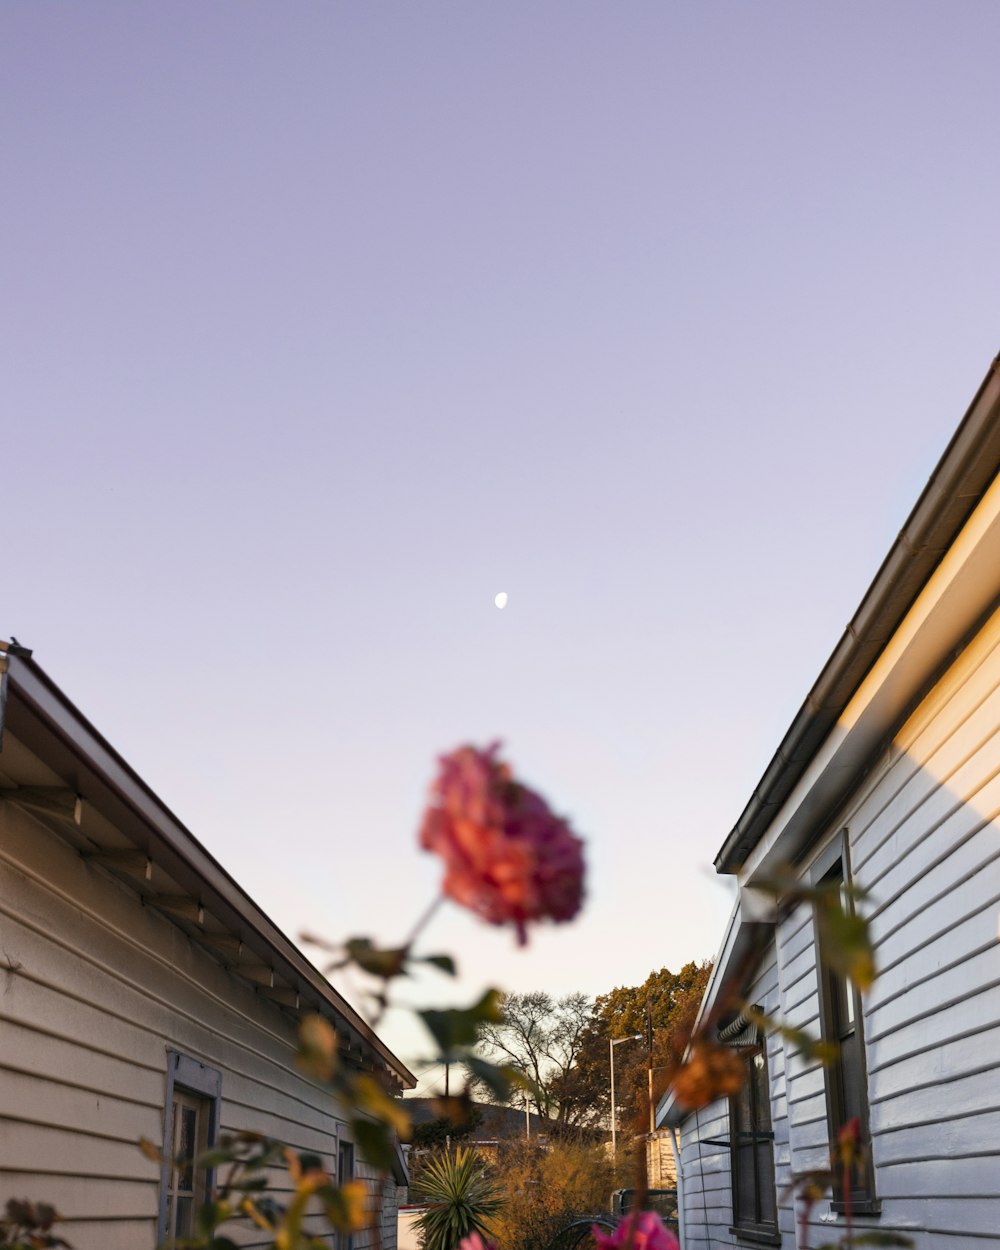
[[323, 323]]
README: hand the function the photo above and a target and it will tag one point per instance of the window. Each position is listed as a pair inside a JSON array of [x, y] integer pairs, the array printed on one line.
[[190, 1123], [841, 1023], [345, 1172], [755, 1214]]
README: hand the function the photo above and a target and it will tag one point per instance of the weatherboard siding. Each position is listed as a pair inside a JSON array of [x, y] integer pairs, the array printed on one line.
[[923, 832], [706, 1191], [94, 991], [924, 838]]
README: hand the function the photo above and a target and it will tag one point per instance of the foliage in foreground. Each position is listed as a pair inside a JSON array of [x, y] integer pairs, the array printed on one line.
[[28, 1226], [462, 1199], [526, 866]]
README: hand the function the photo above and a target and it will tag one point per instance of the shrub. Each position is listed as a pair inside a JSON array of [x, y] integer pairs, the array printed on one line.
[[545, 1185]]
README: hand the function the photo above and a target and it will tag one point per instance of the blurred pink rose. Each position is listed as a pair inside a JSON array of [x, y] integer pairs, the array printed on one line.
[[475, 1242], [507, 857], [643, 1230]]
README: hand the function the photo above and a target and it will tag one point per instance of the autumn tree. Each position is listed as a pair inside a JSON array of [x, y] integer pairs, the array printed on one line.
[[545, 1187], [562, 1046], [670, 1001]]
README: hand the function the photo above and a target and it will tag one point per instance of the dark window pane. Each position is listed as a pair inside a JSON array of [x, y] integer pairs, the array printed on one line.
[[187, 1146], [746, 1207], [754, 1203], [847, 1087], [185, 1216], [765, 1182]]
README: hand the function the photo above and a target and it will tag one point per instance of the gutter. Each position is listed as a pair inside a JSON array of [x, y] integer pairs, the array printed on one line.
[[961, 478]]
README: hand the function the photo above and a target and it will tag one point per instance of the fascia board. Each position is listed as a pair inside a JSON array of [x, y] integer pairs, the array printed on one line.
[[959, 594]]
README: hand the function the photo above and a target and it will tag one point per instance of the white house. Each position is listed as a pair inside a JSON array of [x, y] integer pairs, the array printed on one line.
[[889, 778], [142, 992]]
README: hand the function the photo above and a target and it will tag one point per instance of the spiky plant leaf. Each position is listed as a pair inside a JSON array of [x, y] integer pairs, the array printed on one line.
[[460, 1199]]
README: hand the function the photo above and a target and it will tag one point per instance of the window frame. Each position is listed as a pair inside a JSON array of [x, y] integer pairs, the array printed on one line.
[[189, 1082], [834, 864], [346, 1165], [758, 1230]]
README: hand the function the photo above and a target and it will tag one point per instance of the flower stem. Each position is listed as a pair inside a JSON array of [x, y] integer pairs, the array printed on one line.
[[422, 922]]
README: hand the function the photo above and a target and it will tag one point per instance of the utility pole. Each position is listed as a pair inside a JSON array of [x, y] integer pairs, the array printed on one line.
[[612, 1043], [649, 1064]]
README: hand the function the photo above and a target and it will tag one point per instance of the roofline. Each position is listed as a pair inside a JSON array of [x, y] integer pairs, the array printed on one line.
[[750, 925], [40, 714], [964, 473]]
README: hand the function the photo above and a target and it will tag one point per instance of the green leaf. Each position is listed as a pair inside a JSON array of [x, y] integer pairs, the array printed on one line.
[[498, 1079], [845, 942], [211, 1215], [453, 1028], [808, 1047], [443, 962], [379, 963], [216, 1158], [377, 1142]]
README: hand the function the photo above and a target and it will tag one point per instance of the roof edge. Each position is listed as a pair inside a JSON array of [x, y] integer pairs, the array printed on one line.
[[64, 722], [960, 479]]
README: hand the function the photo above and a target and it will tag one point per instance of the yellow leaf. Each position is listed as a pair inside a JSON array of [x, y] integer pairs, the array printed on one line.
[[317, 1054], [355, 1195], [150, 1151], [371, 1097]]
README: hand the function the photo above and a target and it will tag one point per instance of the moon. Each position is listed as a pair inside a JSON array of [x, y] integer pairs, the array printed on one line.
[[501, 600]]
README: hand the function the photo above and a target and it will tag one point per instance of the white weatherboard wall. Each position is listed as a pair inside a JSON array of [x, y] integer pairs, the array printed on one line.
[[925, 840], [924, 837], [94, 990], [707, 1187]]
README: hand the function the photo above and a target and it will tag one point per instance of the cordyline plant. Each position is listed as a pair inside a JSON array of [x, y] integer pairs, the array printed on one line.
[[459, 1197]]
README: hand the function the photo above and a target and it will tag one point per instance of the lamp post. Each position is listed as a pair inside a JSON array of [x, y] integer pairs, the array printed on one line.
[[612, 1043]]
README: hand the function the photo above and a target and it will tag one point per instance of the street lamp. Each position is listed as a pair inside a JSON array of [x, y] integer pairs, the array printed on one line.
[[612, 1043]]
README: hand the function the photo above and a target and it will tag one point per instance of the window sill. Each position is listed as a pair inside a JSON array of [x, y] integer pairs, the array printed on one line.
[[752, 1237], [868, 1206]]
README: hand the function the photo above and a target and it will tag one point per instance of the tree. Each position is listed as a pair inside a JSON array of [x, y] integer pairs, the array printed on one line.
[[672, 1001], [541, 1037], [562, 1045]]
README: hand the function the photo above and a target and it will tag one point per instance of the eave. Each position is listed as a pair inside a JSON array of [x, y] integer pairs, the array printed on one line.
[[118, 823]]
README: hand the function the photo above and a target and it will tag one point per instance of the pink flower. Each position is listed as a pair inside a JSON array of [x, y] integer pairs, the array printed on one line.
[[642, 1230], [475, 1242], [507, 857]]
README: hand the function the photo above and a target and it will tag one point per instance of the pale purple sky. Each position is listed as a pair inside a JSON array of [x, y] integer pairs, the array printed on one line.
[[322, 323]]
